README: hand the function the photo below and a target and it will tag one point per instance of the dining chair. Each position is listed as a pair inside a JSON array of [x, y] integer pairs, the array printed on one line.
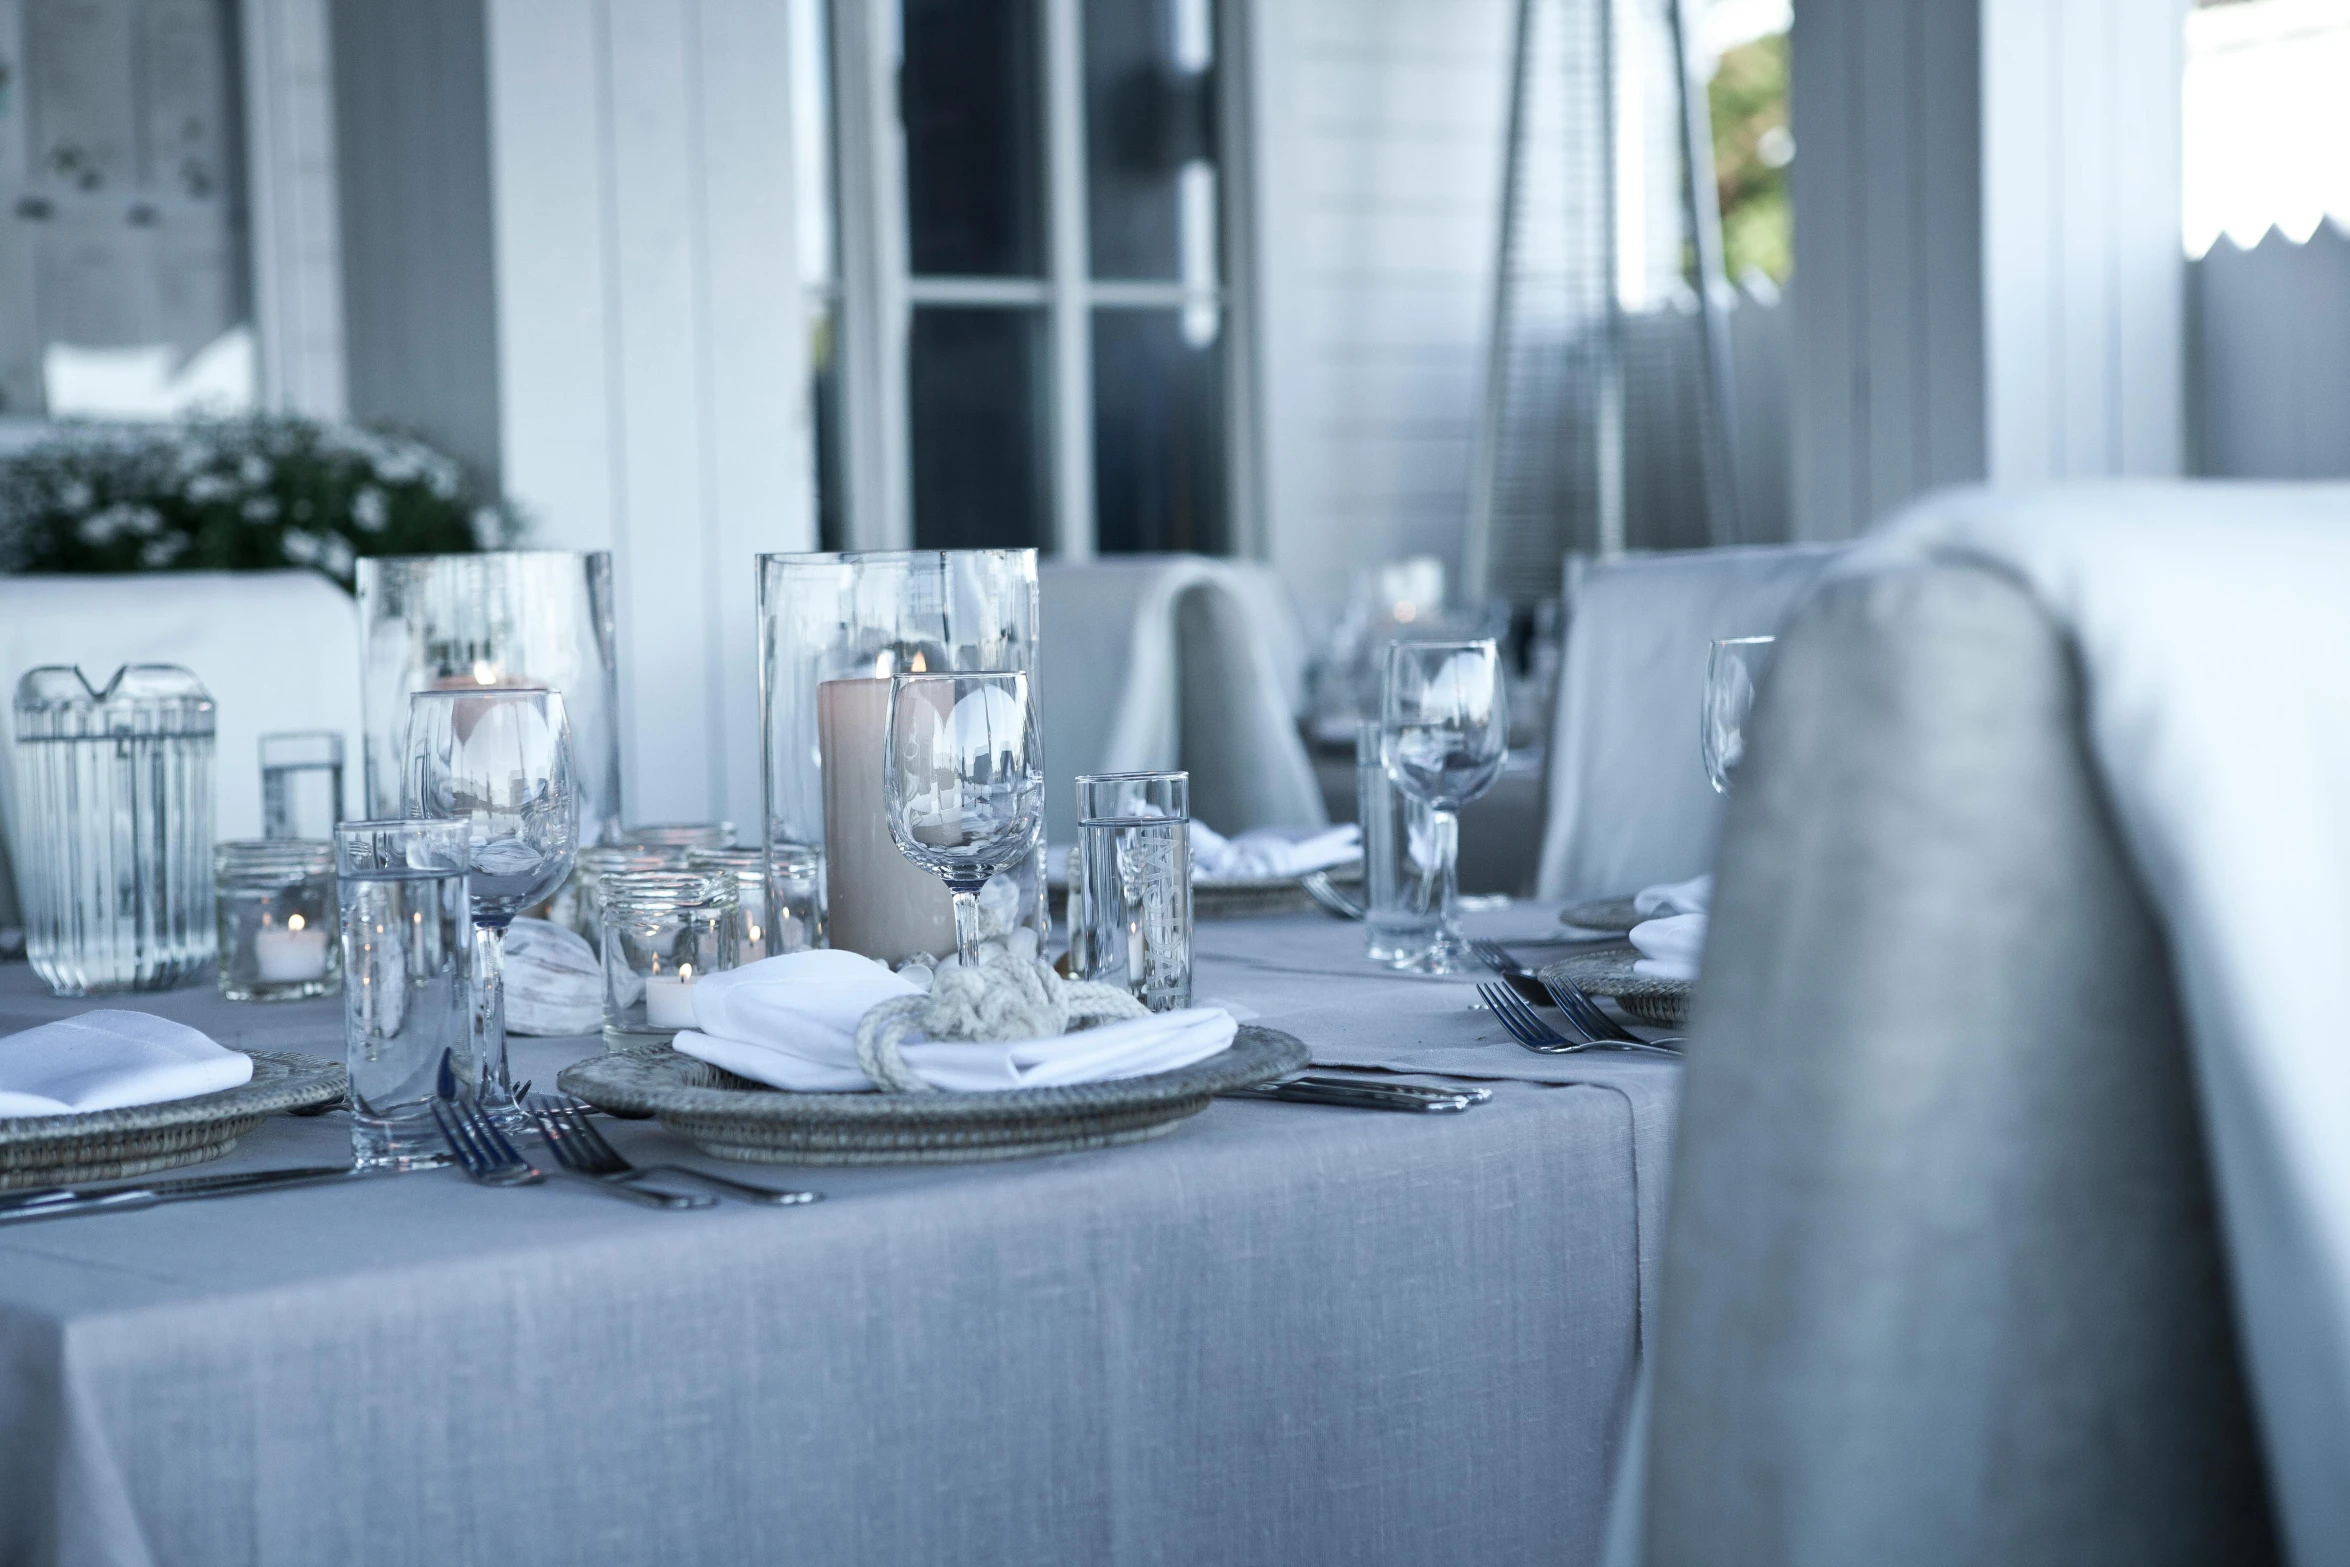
[[1942, 1279], [1152, 662], [278, 650], [1627, 804]]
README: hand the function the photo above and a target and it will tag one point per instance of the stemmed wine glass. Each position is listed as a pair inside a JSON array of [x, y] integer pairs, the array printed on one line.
[[499, 760], [1732, 671], [964, 784], [1444, 733]]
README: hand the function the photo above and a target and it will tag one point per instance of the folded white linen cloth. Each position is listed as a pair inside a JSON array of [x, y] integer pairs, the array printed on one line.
[[1694, 896], [108, 1059], [554, 981], [1670, 947], [791, 1022], [1266, 852], [2209, 622]]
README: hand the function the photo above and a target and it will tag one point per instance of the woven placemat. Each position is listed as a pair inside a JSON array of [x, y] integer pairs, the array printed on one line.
[[1607, 971], [736, 1118], [1616, 914], [104, 1145]]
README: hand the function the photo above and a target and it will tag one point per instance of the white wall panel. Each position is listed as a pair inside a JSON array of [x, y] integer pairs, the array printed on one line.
[[652, 348], [1379, 143], [296, 231]]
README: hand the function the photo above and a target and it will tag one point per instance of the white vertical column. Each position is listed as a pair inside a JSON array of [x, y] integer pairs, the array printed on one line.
[[295, 228], [1989, 274], [870, 156], [1070, 262], [653, 349]]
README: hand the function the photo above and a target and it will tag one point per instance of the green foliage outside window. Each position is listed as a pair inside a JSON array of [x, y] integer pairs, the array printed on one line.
[[1752, 151]]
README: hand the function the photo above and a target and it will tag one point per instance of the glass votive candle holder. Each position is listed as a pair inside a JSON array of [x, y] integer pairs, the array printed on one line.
[[580, 904], [663, 931], [275, 904], [678, 836], [759, 932]]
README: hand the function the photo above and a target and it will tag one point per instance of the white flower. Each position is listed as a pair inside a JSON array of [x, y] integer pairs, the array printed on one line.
[[487, 526], [254, 470], [104, 527], [260, 508], [301, 547], [74, 495], [206, 488], [339, 555], [397, 466], [162, 552], [440, 477], [370, 510]]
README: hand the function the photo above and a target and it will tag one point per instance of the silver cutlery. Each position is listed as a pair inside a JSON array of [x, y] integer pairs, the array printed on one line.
[[1328, 898], [563, 1121], [57, 1202], [1361, 1094], [1585, 1013], [578, 1149], [1522, 979], [479, 1146], [1539, 1037]]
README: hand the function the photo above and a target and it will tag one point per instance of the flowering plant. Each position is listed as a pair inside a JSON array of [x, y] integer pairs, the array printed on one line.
[[238, 494]]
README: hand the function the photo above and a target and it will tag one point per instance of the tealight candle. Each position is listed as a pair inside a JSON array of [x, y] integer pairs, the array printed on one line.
[[669, 998], [289, 956]]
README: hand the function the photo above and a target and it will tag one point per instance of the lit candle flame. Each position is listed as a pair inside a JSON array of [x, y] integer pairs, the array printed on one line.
[[754, 933], [685, 973], [484, 674], [918, 665], [293, 921], [881, 666]]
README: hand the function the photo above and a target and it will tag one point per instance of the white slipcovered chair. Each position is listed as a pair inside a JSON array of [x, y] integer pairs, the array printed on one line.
[[1152, 662], [1629, 804], [278, 650]]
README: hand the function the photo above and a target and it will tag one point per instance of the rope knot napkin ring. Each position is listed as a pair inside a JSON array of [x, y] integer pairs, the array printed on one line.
[[1008, 996]]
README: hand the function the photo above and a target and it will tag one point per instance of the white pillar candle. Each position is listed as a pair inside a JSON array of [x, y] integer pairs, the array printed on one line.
[[290, 956], [876, 901], [669, 999]]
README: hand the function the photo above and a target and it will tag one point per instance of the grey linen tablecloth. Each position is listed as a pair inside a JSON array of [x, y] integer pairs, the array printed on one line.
[[1281, 1334]]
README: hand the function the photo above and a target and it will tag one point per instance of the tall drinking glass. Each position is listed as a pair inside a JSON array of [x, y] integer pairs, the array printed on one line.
[[964, 784], [500, 762], [1733, 670], [1444, 720], [301, 784], [401, 887], [1130, 886]]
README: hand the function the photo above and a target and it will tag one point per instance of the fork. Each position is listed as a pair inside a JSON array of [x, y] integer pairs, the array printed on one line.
[[1585, 1014], [1326, 895], [1523, 980], [563, 1121], [1538, 1036], [479, 1146]]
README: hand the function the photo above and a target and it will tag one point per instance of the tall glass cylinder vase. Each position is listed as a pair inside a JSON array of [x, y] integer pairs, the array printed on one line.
[[833, 629], [111, 834], [538, 618]]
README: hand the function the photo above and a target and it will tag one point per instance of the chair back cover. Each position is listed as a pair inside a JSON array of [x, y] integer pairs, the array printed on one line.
[[1628, 801], [1153, 662], [278, 650], [1943, 1281]]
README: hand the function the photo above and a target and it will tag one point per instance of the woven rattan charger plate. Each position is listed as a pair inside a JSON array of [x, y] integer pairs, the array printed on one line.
[[1607, 971], [105, 1145], [1609, 914], [736, 1118]]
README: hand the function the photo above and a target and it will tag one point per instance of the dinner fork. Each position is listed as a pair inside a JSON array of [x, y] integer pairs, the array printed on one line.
[[1586, 1014], [1538, 1036], [1522, 979], [578, 1149], [479, 1146], [563, 1121], [1326, 895]]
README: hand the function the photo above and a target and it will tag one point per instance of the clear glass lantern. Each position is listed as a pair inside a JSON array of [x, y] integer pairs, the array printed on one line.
[[530, 618], [663, 930], [833, 628], [275, 900], [581, 903], [755, 935], [111, 834]]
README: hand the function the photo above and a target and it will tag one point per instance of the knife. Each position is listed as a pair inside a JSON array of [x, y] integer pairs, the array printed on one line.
[[1361, 1094], [57, 1202]]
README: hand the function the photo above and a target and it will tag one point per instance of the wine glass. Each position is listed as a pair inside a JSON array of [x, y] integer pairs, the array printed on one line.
[[500, 761], [964, 783], [1731, 673], [1444, 733]]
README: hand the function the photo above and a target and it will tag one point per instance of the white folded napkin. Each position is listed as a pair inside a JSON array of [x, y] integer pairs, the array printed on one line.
[[554, 981], [1670, 947], [791, 1022], [1266, 852], [107, 1059], [1694, 896]]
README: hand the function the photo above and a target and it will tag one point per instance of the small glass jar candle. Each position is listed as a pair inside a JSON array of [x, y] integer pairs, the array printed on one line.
[[678, 836], [275, 900], [580, 904], [663, 931], [757, 934]]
